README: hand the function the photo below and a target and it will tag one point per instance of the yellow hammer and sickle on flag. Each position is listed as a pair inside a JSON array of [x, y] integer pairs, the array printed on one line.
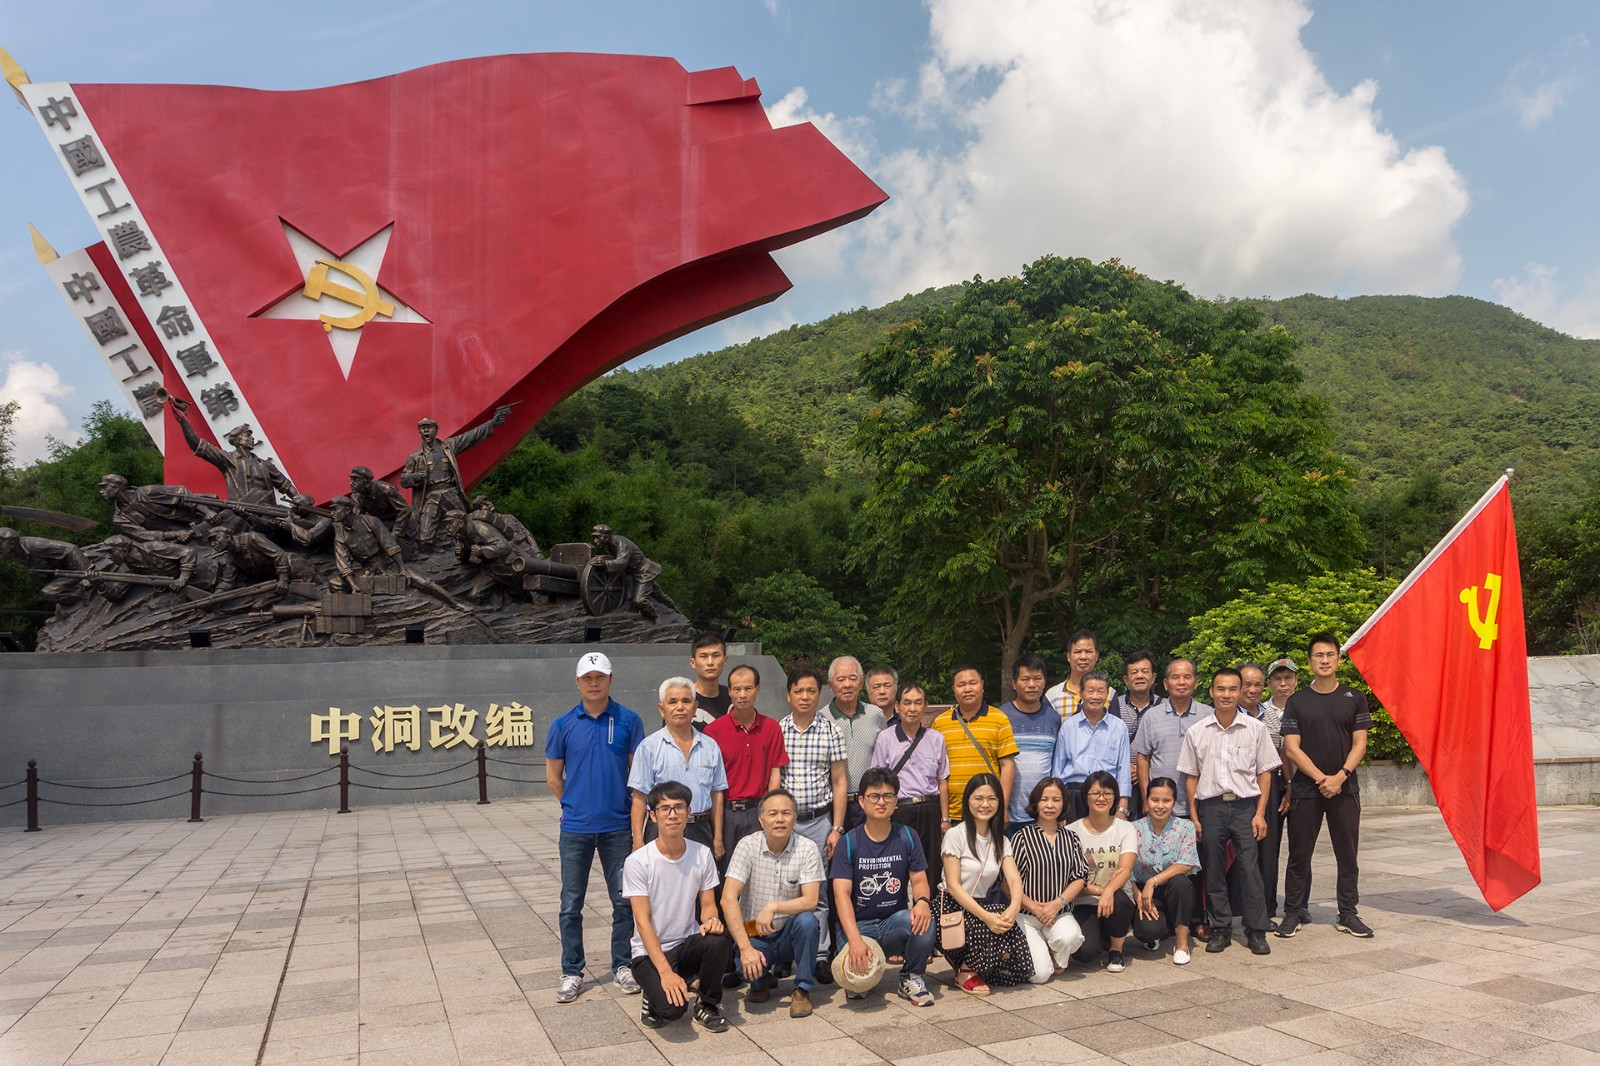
[[368, 302], [1485, 626]]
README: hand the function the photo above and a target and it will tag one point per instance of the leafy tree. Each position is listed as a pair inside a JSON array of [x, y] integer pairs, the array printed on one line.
[[1280, 618], [1561, 578], [66, 481], [1081, 441], [796, 619]]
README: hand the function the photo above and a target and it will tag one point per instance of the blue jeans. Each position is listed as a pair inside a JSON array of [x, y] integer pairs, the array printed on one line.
[[896, 938], [577, 856], [796, 942]]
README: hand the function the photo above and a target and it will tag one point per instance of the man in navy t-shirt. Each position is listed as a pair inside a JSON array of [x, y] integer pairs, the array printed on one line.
[[587, 754], [880, 888]]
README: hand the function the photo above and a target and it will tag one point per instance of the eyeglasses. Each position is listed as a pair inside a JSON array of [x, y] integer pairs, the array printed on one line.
[[1102, 795], [665, 809], [878, 797]]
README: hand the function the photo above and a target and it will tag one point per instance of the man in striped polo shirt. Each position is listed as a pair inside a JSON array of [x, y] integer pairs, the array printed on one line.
[[978, 739]]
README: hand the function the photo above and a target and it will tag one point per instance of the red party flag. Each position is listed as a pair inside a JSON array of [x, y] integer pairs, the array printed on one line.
[[1447, 657]]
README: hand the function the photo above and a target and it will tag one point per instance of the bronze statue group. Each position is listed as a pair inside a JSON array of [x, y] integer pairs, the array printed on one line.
[[1082, 826], [180, 557]]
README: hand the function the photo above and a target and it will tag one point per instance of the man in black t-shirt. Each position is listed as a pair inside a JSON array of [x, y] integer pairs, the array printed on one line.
[[709, 655], [1325, 736]]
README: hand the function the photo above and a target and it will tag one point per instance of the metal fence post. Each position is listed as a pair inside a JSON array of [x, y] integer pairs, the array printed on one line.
[[33, 796], [344, 780], [483, 774], [194, 789]]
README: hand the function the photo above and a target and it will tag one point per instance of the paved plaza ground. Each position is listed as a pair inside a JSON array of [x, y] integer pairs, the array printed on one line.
[[427, 934]]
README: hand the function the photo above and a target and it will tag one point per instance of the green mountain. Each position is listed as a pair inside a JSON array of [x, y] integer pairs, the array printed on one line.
[[1451, 386], [799, 382], [1455, 386]]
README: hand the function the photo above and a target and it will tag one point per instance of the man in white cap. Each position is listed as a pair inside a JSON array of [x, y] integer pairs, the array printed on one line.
[[587, 755]]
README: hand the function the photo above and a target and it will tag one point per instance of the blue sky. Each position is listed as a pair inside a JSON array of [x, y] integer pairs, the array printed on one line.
[[1241, 147]]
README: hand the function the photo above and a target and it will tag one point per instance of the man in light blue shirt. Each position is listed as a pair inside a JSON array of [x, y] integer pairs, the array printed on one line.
[[680, 752], [1093, 740], [1035, 723]]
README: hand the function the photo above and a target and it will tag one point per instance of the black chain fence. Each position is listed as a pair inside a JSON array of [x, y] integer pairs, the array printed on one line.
[[199, 784]]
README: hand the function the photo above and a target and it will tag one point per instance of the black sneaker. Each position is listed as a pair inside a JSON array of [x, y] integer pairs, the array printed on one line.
[[1150, 945], [1289, 926], [1219, 941], [824, 970], [1257, 943], [1354, 926], [710, 1017], [1115, 963], [648, 1020]]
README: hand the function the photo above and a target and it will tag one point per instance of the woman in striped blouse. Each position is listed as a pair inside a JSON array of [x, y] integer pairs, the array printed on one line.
[[1053, 869]]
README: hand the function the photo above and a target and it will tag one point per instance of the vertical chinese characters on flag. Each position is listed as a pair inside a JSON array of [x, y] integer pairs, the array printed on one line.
[[1447, 657]]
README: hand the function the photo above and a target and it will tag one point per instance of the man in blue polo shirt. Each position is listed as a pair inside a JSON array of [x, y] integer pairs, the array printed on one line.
[[589, 749]]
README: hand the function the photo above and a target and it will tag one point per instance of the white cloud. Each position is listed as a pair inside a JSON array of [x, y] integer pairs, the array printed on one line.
[[35, 387], [1540, 296], [1193, 139], [851, 135], [1535, 89]]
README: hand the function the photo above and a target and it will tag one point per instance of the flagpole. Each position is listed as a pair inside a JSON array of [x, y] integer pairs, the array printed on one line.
[[1438, 549]]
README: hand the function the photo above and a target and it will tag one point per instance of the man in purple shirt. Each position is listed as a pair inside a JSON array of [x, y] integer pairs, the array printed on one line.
[[918, 757]]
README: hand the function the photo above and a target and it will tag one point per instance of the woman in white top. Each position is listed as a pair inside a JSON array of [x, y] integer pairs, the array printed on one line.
[[1105, 909], [981, 880]]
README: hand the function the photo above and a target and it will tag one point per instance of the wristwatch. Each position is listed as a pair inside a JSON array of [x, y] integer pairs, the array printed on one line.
[[839, 829], [922, 899]]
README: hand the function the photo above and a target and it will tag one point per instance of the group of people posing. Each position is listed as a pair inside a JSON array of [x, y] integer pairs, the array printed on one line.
[[874, 830]]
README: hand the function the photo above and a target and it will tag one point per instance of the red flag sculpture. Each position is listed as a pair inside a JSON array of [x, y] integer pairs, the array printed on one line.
[[330, 265], [1447, 656]]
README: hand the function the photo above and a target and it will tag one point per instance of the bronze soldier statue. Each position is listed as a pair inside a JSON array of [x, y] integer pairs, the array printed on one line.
[[149, 512], [433, 475], [479, 544], [358, 542], [183, 563], [248, 555], [248, 477], [42, 553], [627, 558], [508, 526], [308, 529], [381, 500]]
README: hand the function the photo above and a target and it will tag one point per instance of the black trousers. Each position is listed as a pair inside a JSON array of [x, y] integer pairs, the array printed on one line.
[[1221, 821], [853, 814], [1174, 900], [1306, 813], [705, 957], [1268, 850], [924, 820], [1098, 932], [736, 825]]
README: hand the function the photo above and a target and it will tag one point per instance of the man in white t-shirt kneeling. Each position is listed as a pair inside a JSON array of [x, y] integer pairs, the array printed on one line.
[[668, 882]]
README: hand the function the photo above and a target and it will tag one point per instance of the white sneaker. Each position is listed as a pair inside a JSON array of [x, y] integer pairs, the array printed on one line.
[[567, 990], [1180, 958], [625, 982], [915, 989]]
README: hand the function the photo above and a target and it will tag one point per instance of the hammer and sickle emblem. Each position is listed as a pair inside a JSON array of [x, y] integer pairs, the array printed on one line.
[[368, 301], [1485, 625]]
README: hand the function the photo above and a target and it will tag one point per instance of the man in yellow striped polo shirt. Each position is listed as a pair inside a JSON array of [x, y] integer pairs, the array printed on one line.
[[978, 739]]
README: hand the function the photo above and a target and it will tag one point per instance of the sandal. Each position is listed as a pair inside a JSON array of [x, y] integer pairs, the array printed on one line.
[[969, 981]]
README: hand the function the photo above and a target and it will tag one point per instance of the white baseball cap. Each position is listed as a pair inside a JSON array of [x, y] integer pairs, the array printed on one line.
[[592, 662]]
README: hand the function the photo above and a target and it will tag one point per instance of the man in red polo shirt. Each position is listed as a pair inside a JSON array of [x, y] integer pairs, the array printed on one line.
[[752, 753]]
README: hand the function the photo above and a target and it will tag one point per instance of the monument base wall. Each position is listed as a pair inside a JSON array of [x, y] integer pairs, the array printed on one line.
[[136, 720]]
